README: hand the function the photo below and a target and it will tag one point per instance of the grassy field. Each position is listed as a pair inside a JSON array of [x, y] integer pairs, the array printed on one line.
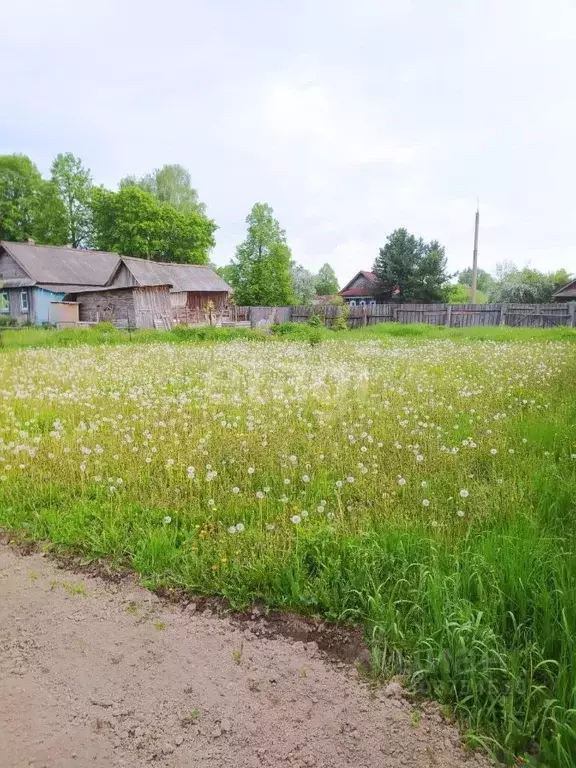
[[420, 481]]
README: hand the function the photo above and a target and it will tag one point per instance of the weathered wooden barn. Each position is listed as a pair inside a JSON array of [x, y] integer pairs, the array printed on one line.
[[132, 306], [193, 286], [32, 277], [567, 292]]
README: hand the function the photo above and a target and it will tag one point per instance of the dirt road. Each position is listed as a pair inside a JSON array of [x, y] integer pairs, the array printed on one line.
[[100, 675]]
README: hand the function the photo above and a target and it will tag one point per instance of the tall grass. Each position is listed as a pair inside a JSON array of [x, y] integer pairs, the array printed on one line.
[[424, 489], [105, 334]]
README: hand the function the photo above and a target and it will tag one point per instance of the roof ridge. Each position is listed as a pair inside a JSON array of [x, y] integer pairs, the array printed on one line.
[[59, 247], [164, 263]]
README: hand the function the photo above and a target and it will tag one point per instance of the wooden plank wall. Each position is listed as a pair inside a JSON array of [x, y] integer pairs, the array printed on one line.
[[453, 315]]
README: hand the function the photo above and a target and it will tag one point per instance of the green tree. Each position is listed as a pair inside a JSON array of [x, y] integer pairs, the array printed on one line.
[[227, 273], [303, 284], [73, 183], [262, 261], [527, 286], [326, 281], [410, 270], [133, 222], [484, 280], [170, 184], [20, 186]]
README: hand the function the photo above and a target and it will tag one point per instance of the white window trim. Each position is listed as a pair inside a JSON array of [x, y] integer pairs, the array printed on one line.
[[352, 302], [5, 310], [24, 302]]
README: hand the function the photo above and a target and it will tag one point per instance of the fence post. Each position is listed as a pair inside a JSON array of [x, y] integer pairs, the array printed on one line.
[[395, 313], [572, 314], [502, 314], [364, 315], [449, 315]]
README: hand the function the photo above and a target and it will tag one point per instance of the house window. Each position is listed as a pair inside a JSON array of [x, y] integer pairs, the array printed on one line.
[[24, 306], [4, 302], [352, 302], [373, 303], [362, 303]]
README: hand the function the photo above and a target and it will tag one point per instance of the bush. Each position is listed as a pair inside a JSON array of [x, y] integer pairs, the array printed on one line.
[[315, 321], [104, 327], [340, 322], [7, 322]]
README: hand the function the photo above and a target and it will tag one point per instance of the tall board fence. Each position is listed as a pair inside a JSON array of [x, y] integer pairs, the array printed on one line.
[[453, 315]]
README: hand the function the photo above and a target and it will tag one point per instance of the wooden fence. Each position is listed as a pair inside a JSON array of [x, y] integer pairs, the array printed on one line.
[[453, 315]]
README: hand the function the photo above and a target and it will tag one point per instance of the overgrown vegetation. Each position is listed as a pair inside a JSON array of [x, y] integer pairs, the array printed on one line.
[[106, 334], [422, 487]]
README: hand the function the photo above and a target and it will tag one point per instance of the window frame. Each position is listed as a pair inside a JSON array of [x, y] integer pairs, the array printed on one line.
[[4, 308], [24, 301]]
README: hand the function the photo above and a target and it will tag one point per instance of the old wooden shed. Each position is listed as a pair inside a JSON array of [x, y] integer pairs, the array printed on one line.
[[193, 286], [132, 306]]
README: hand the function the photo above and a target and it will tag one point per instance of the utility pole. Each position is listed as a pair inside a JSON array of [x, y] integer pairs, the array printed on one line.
[[475, 255]]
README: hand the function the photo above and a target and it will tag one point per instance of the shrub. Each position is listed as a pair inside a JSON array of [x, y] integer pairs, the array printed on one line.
[[315, 320], [340, 322]]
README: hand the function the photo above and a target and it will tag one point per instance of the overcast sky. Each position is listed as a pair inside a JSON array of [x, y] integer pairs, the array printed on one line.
[[349, 118]]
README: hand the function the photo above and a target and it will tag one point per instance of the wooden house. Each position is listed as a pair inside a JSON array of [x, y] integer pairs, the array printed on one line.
[[32, 277], [36, 281], [361, 290], [567, 292]]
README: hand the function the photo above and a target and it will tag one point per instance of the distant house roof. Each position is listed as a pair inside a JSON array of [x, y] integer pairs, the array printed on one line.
[[567, 291], [370, 277], [182, 277], [54, 265]]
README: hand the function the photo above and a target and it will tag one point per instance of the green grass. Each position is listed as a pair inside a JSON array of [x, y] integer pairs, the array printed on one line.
[[431, 495], [105, 334]]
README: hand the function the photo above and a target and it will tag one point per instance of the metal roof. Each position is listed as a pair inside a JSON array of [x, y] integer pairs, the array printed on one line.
[[182, 277], [55, 265]]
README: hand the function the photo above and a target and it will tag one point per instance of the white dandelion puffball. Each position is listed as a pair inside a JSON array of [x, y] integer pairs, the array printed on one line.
[[401, 481], [464, 493], [232, 529], [460, 512], [425, 502], [296, 519], [167, 520], [493, 451], [235, 489], [239, 527], [304, 513]]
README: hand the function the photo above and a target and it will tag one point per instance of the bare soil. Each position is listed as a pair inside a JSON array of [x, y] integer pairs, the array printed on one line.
[[99, 674]]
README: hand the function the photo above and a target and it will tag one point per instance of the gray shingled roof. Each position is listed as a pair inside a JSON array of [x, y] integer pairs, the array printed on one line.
[[51, 265], [182, 277]]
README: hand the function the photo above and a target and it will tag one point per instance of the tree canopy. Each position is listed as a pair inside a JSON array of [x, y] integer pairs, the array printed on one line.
[[303, 284], [326, 281], [262, 262], [73, 185], [410, 270], [133, 222], [484, 280], [526, 286], [170, 184], [20, 189]]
